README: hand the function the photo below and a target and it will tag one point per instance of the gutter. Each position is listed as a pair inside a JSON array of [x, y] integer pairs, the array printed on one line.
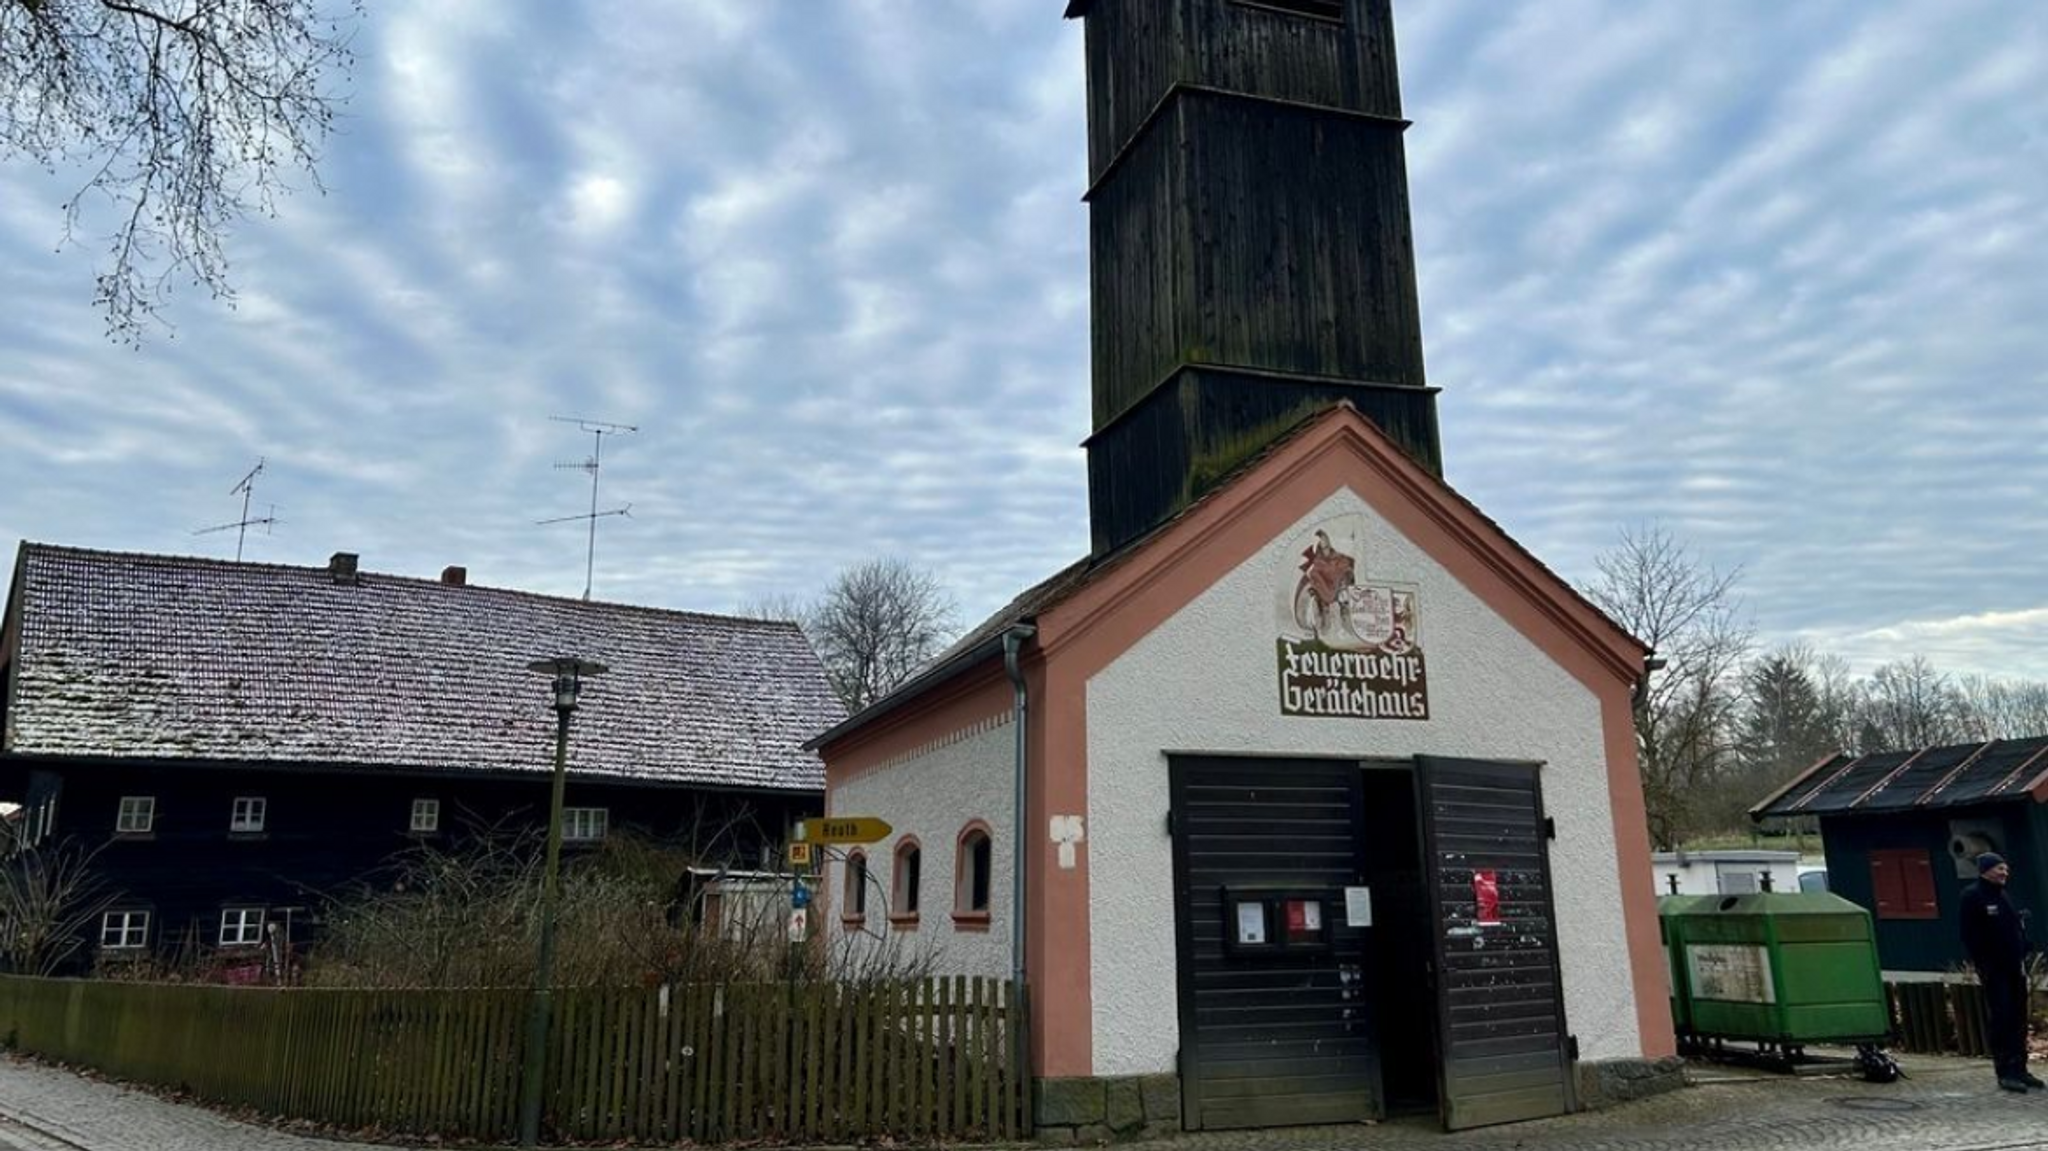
[[1014, 638], [1013, 642], [1652, 662]]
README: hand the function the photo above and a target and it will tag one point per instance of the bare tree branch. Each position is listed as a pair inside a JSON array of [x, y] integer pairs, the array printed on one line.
[[1688, 613], [188, 115]]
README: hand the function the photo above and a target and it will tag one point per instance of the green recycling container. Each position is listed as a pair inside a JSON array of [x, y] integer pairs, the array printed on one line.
[[1669, 910], [1780, 968]]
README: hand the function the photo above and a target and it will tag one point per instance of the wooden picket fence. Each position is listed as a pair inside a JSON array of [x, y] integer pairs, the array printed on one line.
[[1938, 1018], [932, 1059]]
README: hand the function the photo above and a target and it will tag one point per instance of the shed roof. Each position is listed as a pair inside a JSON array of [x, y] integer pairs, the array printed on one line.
[[1932, 778], [129, 656]]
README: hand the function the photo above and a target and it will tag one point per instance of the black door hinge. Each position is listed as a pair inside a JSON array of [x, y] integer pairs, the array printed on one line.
[[1571, 1047], [1549, 828], [1169, 821]]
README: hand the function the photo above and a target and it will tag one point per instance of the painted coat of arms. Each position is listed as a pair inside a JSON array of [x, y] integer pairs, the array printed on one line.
[[1348, 646]]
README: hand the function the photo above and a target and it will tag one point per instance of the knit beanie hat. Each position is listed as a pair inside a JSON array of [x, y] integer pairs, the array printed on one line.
[[1988, 860]]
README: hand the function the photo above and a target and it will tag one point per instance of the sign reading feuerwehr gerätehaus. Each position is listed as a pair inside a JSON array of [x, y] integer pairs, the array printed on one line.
[[1348, 646]]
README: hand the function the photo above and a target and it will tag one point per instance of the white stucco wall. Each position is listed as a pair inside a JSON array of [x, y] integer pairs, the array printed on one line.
[[1205, 681], [934, 793]]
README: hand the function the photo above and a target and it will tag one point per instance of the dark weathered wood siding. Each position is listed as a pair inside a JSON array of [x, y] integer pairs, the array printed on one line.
[[325, 830], [1249, 210], [1183, 438], [1138, 50]]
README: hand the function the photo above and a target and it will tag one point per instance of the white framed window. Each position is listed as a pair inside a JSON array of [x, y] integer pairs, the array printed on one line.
[[124, 930], [137, 815], [426, 816], [248, 814], [241, 926], [585, 824]]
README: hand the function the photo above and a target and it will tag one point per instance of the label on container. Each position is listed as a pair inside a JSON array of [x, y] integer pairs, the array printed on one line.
[[1730, 972]]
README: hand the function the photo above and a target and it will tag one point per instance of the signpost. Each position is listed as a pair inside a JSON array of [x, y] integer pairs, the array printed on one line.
[[835, 829]]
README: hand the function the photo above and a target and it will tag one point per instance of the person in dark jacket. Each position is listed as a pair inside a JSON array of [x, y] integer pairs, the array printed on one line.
[[1998, 946]]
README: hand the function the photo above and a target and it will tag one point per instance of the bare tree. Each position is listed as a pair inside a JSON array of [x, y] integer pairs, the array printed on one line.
[[1910, 704], [874, 627], [187, 114], [2001, 708], [50, 901], [1686, 727]]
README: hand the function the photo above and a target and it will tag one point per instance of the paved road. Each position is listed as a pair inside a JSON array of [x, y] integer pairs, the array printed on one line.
[[1948, 1105]]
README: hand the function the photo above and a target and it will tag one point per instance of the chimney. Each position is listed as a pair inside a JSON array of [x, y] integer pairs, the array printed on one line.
[[455, 576], [342, 566]]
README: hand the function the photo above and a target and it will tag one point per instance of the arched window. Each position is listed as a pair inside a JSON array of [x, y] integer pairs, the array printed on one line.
[[904, 881], [973, 873], [853, 904]]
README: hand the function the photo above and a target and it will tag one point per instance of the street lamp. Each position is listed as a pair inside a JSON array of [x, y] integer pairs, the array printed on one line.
[[568, 673]]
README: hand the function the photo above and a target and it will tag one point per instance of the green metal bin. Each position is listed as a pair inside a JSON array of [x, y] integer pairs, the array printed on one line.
[[1669, 910], [1786, 968]]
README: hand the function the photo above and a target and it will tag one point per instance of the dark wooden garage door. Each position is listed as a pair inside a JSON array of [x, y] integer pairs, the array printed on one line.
[[1501, 1005], [1280, 1038]]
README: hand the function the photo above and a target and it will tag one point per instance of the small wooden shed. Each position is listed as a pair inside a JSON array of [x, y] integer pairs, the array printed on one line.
[[1902, 830]]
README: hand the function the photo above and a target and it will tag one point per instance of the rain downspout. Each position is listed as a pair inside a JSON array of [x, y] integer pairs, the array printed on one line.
[[1013, 643], [1651, 663]]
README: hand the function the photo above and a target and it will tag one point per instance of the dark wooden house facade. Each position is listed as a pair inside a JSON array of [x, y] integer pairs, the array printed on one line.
[[241, 741], [1902, 828]]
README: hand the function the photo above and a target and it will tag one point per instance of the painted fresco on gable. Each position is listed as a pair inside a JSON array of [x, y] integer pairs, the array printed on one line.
[[1349, 645]]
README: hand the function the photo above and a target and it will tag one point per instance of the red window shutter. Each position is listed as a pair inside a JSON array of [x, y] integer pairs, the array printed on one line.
[[1902, 884], [1885, 885], [1918, 873]]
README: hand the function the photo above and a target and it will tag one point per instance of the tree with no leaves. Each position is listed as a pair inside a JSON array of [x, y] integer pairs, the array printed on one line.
[[185, 115], [1687, 612], [51, 899], [874, 627]]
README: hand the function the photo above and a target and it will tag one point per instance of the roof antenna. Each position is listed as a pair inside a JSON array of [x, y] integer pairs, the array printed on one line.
[[247, 490], [598, 430]]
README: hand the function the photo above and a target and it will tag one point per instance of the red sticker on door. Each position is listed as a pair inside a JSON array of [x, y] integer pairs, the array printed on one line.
[[1486, 895]]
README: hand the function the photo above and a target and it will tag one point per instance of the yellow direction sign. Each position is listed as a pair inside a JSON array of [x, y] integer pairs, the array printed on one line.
[[843, 829]]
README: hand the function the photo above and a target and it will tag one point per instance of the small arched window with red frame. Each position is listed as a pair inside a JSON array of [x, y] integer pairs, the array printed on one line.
[[973, 877], [853, 903], [905, 880]]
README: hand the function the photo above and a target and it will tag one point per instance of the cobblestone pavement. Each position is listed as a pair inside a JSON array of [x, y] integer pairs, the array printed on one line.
[[47, 1109], [1947, 1105]]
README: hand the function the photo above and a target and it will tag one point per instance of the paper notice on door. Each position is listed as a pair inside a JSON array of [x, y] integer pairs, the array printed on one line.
[[1358, 907], [1251, 922]]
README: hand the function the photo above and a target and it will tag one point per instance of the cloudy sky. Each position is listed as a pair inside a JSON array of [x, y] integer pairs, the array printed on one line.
[[1772, 275]]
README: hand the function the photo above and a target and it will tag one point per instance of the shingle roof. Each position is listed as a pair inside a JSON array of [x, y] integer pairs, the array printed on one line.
[[1933, 778], [142, 656]]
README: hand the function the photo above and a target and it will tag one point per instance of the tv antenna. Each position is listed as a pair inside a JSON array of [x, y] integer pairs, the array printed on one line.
[[247, 490], [593, 464]]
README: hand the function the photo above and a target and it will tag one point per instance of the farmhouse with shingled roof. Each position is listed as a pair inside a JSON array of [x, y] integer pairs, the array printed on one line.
[[245, 737]]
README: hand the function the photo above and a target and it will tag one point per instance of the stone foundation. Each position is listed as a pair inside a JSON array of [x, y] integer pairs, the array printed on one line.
[[1615, 1081], [1090, 1112], [1093, 1112]]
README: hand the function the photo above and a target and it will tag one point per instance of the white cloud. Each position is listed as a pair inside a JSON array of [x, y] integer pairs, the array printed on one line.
[[1768, 272]]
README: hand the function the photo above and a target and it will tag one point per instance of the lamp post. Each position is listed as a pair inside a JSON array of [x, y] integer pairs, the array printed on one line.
[[568, 674]]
